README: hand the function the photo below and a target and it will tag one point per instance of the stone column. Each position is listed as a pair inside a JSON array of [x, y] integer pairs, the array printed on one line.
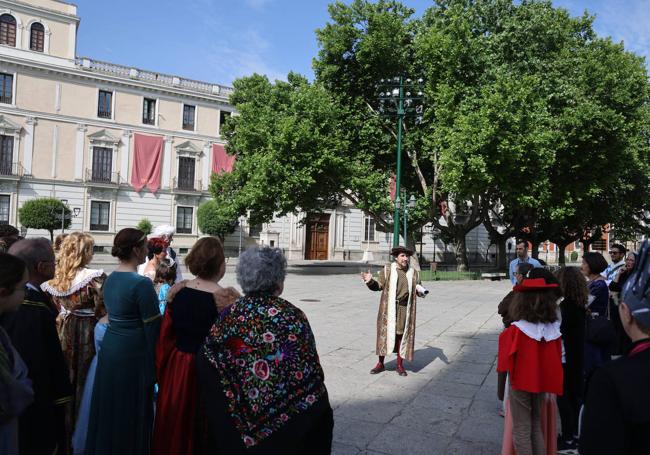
[[167, 162], [206, 163], [79, 152], [29, 145], [126, 152]]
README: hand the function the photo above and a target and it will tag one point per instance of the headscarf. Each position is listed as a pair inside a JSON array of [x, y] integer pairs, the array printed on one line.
[[265, 353]]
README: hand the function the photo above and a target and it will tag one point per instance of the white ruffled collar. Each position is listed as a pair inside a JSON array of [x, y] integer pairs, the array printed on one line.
[[548, 331], [81, 280]]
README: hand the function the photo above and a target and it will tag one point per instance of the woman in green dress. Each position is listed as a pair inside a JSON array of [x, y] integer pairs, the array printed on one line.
[[121, 413]]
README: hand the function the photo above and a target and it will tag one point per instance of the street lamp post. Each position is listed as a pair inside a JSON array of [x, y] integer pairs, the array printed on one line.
[[410, 205], [64, 202], [396, 99]]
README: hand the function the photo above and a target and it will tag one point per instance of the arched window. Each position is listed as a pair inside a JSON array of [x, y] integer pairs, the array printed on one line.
[[37, 37], [8, 30]]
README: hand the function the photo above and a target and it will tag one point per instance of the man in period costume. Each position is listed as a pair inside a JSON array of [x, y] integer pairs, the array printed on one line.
[[32, 330], [396, 317]]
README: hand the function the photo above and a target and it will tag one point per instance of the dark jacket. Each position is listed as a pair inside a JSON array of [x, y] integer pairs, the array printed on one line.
[[573, 338], [32, 330], [616, 417]]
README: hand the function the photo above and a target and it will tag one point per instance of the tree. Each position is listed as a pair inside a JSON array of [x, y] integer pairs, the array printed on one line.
[[525, 110], [44, 213], [145, 226], [216, 219]]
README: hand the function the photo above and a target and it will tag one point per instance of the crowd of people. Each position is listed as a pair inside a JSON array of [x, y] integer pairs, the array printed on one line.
[[581, 338], [141, 361]]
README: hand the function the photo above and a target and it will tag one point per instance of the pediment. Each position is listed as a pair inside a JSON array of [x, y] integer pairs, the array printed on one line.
[[188, 148], [7, 125], [103, 136]]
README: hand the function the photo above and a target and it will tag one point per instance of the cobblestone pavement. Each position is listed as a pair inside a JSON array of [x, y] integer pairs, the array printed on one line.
[[446, 405]]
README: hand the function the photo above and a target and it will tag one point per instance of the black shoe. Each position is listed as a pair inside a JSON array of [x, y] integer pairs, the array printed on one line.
[[569, 447], [401, 371], [378, 368]]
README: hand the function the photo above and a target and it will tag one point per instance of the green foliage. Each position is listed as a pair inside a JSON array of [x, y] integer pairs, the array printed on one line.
[[216, 219], [145, 226], [44, 213], [531, 121]]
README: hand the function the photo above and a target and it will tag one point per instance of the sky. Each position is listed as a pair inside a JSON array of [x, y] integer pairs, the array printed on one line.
[[220, 40]]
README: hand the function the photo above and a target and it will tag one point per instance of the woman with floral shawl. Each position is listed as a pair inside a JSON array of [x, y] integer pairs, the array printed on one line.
[[259, 375]]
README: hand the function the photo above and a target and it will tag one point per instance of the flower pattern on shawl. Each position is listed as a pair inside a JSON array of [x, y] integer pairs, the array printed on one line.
[[265, 352]]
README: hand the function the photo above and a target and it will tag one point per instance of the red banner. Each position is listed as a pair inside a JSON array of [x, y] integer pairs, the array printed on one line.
[[147, 160], [221, 161]]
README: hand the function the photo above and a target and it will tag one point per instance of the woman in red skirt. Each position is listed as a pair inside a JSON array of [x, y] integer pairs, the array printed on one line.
[[186, 323]]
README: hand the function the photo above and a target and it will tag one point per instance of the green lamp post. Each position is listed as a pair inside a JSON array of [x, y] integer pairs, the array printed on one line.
[[396, 99]]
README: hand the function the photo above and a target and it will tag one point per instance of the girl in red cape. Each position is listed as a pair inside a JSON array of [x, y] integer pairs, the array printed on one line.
[[530, 351]]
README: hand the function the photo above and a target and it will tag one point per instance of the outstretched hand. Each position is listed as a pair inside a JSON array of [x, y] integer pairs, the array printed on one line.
[[366, 276]]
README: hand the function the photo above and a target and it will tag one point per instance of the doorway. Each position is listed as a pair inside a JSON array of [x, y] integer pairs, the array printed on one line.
[[318, 229]]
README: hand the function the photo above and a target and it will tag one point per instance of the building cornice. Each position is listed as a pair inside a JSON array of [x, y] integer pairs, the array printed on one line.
[[99, 123], [39, 11], [76, 72]]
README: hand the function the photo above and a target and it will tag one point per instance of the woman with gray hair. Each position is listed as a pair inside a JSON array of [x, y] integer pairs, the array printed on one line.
[[259, 374]]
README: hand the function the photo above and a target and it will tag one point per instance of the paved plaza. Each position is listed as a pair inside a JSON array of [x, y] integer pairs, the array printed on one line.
[[446, 405]]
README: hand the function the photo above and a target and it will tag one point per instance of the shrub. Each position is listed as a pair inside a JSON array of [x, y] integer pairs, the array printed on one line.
[[44, 213], [216, 219], [145, 226]]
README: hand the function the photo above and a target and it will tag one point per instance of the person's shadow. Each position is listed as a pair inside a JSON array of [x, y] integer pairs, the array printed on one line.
[[421, 358]]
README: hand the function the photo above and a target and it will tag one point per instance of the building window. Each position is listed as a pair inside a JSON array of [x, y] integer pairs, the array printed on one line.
[[8, 30], [186, 168], [223, 118], [37, 37], [5, 207], [188, 117], [149, 111], [255, 230], [6, 88], [99, 215], [102, 164], [368, 229], [6, 155], [184, 220], [105, 104]]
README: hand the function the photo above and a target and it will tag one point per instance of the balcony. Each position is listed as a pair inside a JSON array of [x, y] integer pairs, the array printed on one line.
[[186, 186], [11, 171], [94, 177]]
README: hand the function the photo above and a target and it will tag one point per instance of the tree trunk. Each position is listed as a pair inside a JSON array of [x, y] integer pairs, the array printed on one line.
[[535, 248], [502, 258], [462, 263], [561, 259], [52, 237]]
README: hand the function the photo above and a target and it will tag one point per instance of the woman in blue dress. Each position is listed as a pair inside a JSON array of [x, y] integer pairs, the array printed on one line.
[[81, 428], [122, 410]]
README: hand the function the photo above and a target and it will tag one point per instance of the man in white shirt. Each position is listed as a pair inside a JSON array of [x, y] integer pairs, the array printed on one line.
[[617, 253], [522, 258]]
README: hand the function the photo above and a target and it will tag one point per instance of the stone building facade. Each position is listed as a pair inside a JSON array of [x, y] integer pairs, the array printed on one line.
[[70, 126]]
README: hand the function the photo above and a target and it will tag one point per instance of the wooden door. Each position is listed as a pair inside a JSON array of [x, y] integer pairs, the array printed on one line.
[[317, 238]]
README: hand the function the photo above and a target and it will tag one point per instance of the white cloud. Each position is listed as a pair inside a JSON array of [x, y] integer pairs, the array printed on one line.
[[257, 4], [234, 51], [626, 21]]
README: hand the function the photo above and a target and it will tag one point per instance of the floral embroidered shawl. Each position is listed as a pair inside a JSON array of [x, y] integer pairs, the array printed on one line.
[[265, 352]]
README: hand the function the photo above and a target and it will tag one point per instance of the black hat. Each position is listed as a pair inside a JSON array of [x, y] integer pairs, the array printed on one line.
[[396, 251], [636, 292]]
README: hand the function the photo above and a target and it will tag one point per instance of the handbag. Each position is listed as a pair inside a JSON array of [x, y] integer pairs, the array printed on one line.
[[600, 329]]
